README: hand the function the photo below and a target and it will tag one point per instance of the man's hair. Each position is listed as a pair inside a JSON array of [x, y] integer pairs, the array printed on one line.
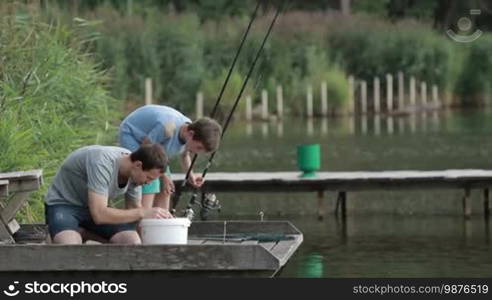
[[208, 132], [152, 156]]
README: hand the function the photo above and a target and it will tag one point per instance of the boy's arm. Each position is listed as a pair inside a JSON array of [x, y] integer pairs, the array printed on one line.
[[194, 180]]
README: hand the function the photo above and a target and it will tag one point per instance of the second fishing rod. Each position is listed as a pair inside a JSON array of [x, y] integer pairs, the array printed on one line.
[[189, 211]]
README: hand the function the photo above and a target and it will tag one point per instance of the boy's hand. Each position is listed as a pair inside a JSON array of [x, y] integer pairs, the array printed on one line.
[[168, 184], [195, 180]]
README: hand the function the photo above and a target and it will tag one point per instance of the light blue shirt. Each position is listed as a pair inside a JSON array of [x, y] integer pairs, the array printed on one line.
[[161, 124]]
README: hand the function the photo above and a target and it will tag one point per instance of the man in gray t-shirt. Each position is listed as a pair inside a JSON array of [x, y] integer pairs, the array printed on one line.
[[77, 200]]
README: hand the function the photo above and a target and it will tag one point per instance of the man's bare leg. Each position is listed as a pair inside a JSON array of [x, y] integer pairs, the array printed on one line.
[[68, 237], [127, 237]]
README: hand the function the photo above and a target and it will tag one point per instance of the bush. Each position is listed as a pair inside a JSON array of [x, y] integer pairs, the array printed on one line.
[[52, 98], [166, 49], [474, 83], [367, 50]]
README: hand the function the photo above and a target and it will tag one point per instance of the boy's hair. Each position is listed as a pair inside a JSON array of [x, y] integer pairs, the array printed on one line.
[[152, 156], [208, 132]]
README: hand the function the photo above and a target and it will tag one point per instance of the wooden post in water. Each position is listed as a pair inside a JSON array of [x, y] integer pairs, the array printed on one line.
[[351, 82], [264, 105], [309, 102], [401, 91], [363, 97], [280, 102], [324, 99], [199, 105], [129, 7], [467, 205], [341, 204], [249, 108], [148, 91], [377, 95], [389, 92], [486, 203], [423, 93], [435, 96], [413, 87], [321, 205]]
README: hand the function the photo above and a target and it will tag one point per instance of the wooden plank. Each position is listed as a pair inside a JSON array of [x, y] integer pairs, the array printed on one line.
[[218, 242], [348, 181], [4, 188], [284, 249], [22, 175], [23, 181], [136, 257], [198, 228], [5, 236], [15, 203], [27, 185], [268, 245], [250, 242], [195, 241]]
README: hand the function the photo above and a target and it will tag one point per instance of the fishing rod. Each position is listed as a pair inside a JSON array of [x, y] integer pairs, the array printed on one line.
[[177, 194], [189, 211]]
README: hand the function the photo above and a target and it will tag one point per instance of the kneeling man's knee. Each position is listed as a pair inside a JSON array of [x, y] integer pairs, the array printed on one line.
[[127, 237]]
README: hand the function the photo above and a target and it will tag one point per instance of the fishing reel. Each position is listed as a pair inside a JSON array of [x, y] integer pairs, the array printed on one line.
[[207, 205]]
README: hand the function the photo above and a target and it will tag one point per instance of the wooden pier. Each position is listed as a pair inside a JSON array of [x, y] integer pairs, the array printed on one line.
[[215, 248], [344, 182]]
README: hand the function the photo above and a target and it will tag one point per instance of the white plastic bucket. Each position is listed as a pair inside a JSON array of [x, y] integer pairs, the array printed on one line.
[[165, 231]]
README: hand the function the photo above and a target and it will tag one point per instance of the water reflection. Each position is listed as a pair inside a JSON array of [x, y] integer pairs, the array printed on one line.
[[390, 127], [324, 126], [280, 129], [310, 126], [424, 122], [364, 124], [377, 125], [401, 126], [249, 128], [264, 129], [392, 246], [313, 266]]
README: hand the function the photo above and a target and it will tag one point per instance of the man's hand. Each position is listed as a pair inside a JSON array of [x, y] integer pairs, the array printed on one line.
[[168, 184], [195, 180], [156, 213]]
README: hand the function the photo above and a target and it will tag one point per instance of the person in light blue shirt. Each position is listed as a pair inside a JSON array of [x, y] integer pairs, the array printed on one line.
[[178, 135]]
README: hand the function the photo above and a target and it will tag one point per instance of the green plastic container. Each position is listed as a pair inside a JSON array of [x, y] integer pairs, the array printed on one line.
[[308, 159]]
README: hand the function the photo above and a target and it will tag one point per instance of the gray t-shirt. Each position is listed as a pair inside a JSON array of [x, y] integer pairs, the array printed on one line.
[[92, 168]]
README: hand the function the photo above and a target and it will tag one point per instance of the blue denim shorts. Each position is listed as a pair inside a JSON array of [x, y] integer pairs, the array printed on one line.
[[61, 217]]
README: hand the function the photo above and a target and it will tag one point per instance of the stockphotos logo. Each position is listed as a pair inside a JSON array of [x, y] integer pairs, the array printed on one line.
[[465, 27], [11, 290], [73, 288]]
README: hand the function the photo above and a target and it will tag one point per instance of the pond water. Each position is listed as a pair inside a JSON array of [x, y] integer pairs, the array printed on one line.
[[387, 233]]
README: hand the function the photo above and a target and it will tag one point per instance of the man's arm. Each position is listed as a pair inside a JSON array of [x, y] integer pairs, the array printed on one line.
[[130, 203], [102, 214], [194, 180]]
